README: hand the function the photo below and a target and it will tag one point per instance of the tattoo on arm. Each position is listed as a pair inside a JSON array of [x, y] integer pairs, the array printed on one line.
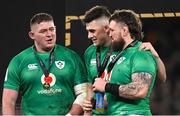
[[140, 81]]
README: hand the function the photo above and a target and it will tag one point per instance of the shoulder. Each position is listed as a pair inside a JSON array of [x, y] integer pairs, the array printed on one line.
[[143, 54], [20, 59], [23, 54], [91, 49]]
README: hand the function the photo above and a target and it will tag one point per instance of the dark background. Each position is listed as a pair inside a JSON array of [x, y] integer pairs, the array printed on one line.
[[163, 33], [15, 16]]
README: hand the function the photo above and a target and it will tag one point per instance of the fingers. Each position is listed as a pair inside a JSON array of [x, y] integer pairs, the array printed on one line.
[[145, 46], [87, 105]]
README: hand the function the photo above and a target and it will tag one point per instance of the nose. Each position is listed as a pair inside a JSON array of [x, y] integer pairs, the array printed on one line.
[[90, 35], [110, 34], [49, 33]]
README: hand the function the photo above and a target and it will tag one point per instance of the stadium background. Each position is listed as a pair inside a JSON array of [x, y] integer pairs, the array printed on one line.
[[161, 26]]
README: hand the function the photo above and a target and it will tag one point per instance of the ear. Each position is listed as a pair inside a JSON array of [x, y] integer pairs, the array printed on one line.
[[31, 35], [125, 31], [106, 28]]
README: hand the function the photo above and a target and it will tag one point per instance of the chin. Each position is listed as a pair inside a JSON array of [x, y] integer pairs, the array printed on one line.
[[50, 46], [95, 44]]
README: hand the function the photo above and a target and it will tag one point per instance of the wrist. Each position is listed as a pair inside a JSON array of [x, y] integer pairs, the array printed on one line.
[[112, 88]]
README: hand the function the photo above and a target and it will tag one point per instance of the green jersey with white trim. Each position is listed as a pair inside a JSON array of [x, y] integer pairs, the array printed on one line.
[[91, 65], [131, 61], [90, 61], [24, 74]]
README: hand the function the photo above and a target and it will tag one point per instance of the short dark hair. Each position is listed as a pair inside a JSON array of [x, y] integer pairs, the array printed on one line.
[[131, 19], [40, 17], [95, 13]]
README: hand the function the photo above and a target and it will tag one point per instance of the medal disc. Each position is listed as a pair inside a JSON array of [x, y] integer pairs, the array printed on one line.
[[46, 86]]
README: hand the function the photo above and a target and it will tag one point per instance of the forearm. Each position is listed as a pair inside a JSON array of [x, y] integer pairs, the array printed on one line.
[[137, 89], [8, 109], [9, 98], [130, 91], [161, 70], [76, 109], [81, 94]]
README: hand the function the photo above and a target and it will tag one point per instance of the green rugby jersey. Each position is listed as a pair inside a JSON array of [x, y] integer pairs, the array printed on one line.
[[25, 75], [131, 61], [90, 61]]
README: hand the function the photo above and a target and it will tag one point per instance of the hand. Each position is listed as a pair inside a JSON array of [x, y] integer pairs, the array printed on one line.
[[99, 85], [87, 106], [148, 46]]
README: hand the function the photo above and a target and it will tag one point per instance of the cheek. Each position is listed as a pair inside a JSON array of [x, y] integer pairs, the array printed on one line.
[[39, 38], [116, 35]]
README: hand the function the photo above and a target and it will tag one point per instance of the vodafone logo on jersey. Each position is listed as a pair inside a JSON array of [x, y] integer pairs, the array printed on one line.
[[51, 79]]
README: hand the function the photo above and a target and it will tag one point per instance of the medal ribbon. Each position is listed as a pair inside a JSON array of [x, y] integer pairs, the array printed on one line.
[[43, 66], [101, 68], [112, 63]]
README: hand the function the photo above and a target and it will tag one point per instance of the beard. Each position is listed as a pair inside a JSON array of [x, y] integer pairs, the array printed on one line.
[[118, 45]]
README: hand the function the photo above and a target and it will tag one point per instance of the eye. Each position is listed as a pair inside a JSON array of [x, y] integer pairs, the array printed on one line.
[[52, 29], [43, 31], [91, 30]]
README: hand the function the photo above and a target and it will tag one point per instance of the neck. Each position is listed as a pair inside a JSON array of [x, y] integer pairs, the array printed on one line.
[[108, 42], [43, 50], [127, 40]]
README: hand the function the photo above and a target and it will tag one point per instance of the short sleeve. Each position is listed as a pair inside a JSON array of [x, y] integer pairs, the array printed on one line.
[[81, 72], [12, 80], [143, 61]]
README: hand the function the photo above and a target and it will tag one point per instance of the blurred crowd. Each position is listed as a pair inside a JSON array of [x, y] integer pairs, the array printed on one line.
[[165, 98]]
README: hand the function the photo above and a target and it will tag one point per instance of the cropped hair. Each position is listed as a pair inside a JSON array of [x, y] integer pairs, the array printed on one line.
[[40, 17], [95, 13], [131, 19]]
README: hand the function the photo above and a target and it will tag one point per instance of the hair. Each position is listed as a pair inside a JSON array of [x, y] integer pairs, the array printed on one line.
[[131, 19], [95, 13], [40, 17]]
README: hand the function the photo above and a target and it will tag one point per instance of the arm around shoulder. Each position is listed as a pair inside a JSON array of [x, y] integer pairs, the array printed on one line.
[[161, 70]]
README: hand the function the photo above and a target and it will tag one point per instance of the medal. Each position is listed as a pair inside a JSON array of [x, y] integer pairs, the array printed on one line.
[[46, 86], [47, 80]]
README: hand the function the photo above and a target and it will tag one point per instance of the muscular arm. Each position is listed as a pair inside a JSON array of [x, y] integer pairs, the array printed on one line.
[[9, 98], [161, 66], [138, 88]]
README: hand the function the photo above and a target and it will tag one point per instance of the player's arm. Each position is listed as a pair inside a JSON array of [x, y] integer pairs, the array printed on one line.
[[81, 93], [88, 102], [161, 67], [137, 89], [9, 98]]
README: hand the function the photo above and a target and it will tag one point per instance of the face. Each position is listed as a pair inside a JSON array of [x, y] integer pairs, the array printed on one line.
[[116, 32], [97, 33], [44, 36]]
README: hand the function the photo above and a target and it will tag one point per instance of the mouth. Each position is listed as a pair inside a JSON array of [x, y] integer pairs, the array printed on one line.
[[94, 40], [49, 41]]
